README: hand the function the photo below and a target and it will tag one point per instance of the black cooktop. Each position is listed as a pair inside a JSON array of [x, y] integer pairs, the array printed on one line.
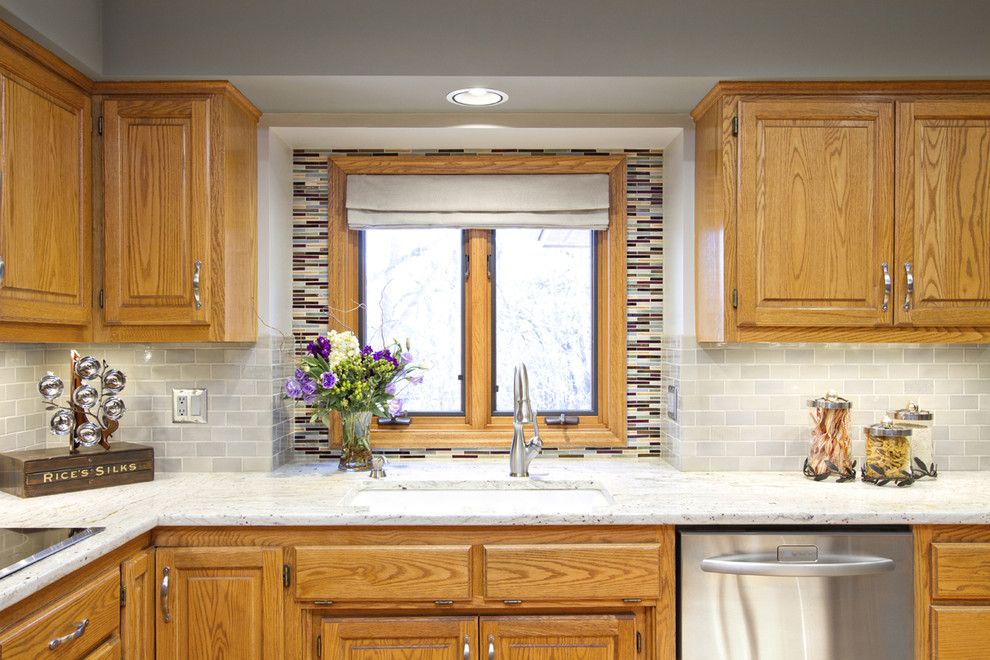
[[21, 547]]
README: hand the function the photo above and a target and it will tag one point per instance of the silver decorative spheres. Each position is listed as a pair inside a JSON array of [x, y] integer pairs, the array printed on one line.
[[50, 387], [61, 423], [85, 397], [113, 408], [92, 412], [88, 368], [113, 381], [88, 434]]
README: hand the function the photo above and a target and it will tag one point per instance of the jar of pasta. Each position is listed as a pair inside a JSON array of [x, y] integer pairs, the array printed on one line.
[[829, 452], [922, 444], [888, 454]]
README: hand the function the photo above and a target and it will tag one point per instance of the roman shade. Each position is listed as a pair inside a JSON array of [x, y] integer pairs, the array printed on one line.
[[484, 201]]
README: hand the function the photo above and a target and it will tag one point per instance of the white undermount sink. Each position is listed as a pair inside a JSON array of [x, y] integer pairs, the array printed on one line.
[[412, 497]]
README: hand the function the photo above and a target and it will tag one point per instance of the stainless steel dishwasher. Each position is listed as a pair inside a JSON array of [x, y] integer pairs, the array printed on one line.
[[796, 595]]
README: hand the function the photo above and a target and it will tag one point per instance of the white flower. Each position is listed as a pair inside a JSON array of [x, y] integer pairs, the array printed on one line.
[[342, 346]]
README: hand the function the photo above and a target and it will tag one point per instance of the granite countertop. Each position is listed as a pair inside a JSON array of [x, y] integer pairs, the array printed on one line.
[[636, 491]]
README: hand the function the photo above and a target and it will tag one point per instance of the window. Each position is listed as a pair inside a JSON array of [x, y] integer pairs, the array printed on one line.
[[475, 302]]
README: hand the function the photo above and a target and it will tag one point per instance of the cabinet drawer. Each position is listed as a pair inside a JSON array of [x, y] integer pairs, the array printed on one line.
[[961, 570], [108, 651], [97, 603], [960, 633], [379, 573], [600, 571]]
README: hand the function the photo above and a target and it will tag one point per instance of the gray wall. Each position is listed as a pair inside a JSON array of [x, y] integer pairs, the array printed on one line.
[[71, 28]]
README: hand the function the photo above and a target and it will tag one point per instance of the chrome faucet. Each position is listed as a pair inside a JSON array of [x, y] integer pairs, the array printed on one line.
[[522, 452]]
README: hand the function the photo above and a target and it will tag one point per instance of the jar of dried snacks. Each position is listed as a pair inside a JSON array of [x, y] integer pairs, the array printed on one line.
[[888, 454], [830, 444], [922, 444]]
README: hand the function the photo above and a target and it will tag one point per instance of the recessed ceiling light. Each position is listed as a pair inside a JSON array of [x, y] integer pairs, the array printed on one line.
[[477, 97]]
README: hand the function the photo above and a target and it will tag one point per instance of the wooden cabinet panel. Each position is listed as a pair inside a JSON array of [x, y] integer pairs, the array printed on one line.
[[961, 570], [93, 612], [399, 572], [960, 633], [156, 211], [571, 572], [607, 637], [814, 212], [111, 650], [45, 219], [943, 212], [220, 602], [382, 638], [137, 620]]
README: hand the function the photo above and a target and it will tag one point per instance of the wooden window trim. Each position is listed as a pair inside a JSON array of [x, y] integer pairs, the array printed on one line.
[[478, 427]]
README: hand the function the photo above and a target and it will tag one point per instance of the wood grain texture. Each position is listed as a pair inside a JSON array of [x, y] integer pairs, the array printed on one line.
[[815, 212], [112, 649], [386, 638], [22, 48], [709, 229], [406, 572], [137, 619], [943, 215], [565, 572], [607, 427], [960, 633], [171, 87], [606, 637], [960, 571], [99, 602], [224, 602]]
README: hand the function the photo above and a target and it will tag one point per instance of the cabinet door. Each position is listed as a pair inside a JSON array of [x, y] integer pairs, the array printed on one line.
[[137, 618], [219, 603], [605, 637], [943, 213], [156, 211], [960, 633], [815, 213], [381, 638], [45, 230]]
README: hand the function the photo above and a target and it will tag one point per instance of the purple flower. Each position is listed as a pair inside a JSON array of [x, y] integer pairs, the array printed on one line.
[[328, 380], [417, 379], [390, 389], [395, 407], [385, 355], [293, 389], [367, 350], [319, 348], [407, 357], [308, 387], [309, 398], [300, 374]]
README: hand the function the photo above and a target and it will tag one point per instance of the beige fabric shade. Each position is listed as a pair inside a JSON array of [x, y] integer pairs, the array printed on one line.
[[484, 201]]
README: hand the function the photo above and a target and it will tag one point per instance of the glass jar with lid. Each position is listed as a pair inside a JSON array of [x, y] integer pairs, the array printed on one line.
[[829, 452], [888, 453], [922, 443]]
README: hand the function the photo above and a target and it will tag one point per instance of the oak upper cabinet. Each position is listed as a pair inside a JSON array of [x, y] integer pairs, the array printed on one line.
[[814, 231], [811, 200], [179, 258], [45, 200], [219, 603], [593, 637], [943, 212], [409, 638]]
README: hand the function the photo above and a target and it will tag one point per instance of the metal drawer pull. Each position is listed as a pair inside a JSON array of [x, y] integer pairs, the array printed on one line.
[[632, 600], [512, 602], [491, 647], [562, 420], [322, 603], [887, 284], [443, 602], [768, 566], [910, 285], [467, 647], [166, 614], [75, 634], [3, 271], [196, 271]]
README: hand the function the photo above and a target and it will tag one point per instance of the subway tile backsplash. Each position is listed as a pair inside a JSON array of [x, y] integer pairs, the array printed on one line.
[[743, 407]]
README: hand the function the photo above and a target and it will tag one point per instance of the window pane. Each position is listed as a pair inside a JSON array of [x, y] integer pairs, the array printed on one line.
[[412, 290], [544, 315]]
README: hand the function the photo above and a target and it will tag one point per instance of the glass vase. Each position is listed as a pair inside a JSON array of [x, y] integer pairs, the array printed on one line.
[[355, 442]]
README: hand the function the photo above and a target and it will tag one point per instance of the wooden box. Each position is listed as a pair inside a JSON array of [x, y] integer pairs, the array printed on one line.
[[34, 472]]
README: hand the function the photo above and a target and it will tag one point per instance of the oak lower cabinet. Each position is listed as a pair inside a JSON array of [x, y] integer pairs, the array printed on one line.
[[45, 202], [557, 637], [219, 603], [179, 221], [843, 212]]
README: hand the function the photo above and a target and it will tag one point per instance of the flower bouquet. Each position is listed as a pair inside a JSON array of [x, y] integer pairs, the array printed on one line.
[[337, 374]]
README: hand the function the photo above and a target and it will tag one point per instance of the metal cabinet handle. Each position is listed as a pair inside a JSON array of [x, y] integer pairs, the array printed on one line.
[[166, 613], [3, 270], [196, 271], [767, 565], [491, 647], [467, 647], [887, 284], [75, 634], [910, 285]]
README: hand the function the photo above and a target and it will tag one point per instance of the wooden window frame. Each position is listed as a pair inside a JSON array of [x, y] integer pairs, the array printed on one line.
[[478, 427]]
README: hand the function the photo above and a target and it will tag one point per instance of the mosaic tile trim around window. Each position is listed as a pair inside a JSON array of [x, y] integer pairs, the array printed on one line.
[[646, 402]]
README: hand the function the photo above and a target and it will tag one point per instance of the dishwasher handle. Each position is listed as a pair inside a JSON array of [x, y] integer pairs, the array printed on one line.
[[767, 565]]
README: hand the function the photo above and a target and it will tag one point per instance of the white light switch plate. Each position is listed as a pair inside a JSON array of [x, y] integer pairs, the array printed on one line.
[[189, 406]]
